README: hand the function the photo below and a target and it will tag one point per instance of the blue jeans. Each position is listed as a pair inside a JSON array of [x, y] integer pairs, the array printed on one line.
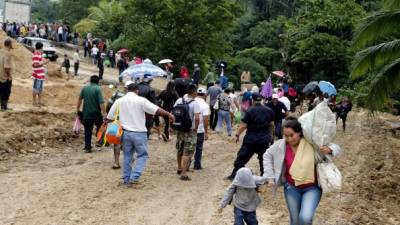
[[134, 142], [199, 151], [242, 216], [224, 115], [302, 203]]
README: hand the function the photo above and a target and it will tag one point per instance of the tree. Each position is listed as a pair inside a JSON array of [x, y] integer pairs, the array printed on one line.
[[104, 20], [379, 38], [71, 11], [188, 31], [44, 11], [317, 40]]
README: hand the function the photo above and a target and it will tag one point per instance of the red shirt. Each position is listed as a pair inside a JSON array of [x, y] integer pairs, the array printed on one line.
[[38, 71], [289, 158]]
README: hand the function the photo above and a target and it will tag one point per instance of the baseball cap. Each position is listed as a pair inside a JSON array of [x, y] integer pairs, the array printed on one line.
[[128, 83], [201, 91], [275, 96], [256, 97]]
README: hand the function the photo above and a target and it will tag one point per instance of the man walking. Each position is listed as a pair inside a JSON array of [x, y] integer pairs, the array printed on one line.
[[38, 74], [196, 74], [100, 65], [280, 112], [258, 122], [6, 67], [76, 62], [132, 109], [214, 91], [93, 110], [202, 131], [147, 92], [186, 139]]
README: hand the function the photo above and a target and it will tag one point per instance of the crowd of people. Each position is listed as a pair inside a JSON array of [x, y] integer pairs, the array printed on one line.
[[51, 31], [192, 112]]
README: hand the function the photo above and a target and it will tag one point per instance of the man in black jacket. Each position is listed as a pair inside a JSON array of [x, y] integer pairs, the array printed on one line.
[[259, 123], [148, 92]]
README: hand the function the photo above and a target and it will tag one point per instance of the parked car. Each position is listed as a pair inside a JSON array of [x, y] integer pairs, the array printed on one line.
[[49, 51]]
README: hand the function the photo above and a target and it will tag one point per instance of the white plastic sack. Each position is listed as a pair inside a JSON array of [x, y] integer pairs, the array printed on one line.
[[319, 125], [329, 176]]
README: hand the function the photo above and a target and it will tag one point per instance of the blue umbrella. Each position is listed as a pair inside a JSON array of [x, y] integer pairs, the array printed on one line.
[[139, 70], [327, 87]]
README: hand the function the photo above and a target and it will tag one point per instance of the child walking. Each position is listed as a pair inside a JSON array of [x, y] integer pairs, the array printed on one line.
[[244, 194], [66, 64], [342, 109]]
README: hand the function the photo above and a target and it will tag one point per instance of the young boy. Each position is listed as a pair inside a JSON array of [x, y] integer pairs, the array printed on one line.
[[66, 64], [243, 191]]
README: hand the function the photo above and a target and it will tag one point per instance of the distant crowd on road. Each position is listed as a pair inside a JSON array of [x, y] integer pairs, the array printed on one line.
[[51, 31]]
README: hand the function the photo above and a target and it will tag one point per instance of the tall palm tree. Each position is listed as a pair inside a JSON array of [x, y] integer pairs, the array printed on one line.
[[102, 15], [378, 37]]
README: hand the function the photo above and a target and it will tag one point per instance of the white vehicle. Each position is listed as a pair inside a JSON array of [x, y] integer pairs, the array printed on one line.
[[48, 49]]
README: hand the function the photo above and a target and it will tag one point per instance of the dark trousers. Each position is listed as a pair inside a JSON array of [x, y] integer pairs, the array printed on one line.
[[5, 92], [245, 153], [278, 129], [89, 124], [101, 72], [199, 151], [149, 125], [213, 117], [242, 216], [76, 68], [86, 52], [166, 128]]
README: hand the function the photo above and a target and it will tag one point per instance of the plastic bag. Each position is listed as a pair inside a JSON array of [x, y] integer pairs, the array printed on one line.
[[238, 117], [77, 126], [319, 125], [329, 176], [101, 135]]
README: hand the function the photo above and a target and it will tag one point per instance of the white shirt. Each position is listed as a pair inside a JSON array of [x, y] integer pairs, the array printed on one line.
[[204, 111], [76, 57], [95, 50], [285, 101], [60, 30], [194, 108], [132, 109], [233, 98]]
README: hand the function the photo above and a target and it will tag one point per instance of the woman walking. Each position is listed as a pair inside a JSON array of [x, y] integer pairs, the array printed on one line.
[[290, 162], [168, 97]]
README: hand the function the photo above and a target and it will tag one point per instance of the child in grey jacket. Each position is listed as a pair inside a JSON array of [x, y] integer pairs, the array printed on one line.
[[243, 191]]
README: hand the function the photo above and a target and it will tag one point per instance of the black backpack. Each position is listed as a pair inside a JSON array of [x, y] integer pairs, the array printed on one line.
[[183, 122]]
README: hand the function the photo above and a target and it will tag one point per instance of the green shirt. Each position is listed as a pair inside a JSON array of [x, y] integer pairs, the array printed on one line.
[[210, 78], [92, 98]]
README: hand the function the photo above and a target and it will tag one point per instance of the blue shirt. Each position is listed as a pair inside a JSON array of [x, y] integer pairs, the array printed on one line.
[[224, 82]]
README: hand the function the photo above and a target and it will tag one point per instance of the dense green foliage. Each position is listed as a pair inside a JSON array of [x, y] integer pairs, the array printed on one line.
[[378, 60], [308, 39]]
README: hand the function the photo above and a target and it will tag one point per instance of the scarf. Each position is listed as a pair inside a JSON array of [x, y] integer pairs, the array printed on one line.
[[303, 167]]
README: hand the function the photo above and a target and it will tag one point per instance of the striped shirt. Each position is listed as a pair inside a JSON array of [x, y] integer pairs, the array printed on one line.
[[38, 71]]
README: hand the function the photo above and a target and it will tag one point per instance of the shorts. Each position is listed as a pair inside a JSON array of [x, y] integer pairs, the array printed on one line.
[[186, 143], [38, 86]]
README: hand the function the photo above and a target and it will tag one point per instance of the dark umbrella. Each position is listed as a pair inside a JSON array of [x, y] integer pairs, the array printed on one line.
[[222, 64], [310, 87]]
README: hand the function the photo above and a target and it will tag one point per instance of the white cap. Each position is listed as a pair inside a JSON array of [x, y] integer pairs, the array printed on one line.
[[201, 91], [275, 96], [128, 83]]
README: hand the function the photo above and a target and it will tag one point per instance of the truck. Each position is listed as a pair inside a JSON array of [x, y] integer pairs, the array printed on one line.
[[18, 11]]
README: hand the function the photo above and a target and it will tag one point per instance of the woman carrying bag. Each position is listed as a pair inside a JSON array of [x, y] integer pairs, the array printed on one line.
[[292, 163]]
